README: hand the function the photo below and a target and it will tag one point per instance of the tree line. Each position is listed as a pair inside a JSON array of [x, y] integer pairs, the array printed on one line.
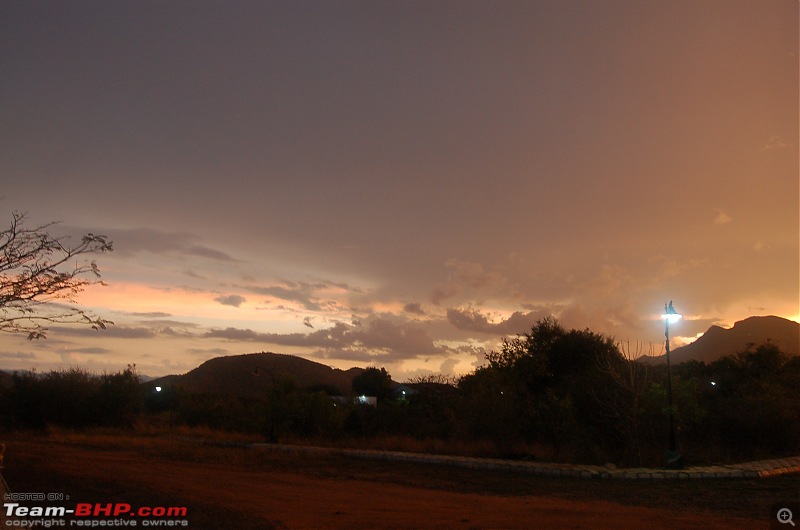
[[564, 395], [573, 395]]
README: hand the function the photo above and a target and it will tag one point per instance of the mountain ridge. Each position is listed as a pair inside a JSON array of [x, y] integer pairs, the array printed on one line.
[[250, 373], [718, 342]]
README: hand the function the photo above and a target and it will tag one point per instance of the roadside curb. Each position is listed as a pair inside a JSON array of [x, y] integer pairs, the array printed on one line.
[[747, 470]]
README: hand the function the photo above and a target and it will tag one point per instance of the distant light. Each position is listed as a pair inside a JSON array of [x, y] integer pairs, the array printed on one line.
[[158, 389], [404, 392], [713, 383]]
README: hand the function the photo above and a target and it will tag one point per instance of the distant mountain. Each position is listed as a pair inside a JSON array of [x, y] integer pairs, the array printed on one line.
[[718, 342], [249, 374]]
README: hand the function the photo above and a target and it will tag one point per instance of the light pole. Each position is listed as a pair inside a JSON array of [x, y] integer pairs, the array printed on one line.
[[670, 316]]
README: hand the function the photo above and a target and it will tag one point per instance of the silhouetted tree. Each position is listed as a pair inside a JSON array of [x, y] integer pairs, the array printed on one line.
[[552, 377], [754, 405], [622, 401], [73, 398], [373, 382], [120, 398], [39, 273]]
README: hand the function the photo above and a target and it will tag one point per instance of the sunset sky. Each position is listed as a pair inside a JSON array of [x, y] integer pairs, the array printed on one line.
[[402, 183]]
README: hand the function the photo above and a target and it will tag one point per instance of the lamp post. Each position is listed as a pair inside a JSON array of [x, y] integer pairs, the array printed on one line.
[[670, 316]]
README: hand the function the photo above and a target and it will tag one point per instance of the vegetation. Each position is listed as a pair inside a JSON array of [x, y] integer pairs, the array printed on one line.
[[551, 393], [72, 398], [39, 278]]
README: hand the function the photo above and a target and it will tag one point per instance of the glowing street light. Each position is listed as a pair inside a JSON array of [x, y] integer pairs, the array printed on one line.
[[670, 316]]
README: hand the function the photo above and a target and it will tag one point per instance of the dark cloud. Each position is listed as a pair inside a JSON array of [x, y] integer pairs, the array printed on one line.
[[302, 295], [234, 300], [474, 321], [309, 295], [414, 308], [133, 241], [114, 332], [152, 314], [17, 356], [376, 337], [216, 352], [91, 351], [153, 329], [160, 324]]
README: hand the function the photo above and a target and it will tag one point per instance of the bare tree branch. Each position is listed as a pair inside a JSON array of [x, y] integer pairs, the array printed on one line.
[[40, 275]]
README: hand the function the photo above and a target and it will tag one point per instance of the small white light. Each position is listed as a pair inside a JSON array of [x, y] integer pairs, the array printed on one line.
[[713, 383], [158, 389]]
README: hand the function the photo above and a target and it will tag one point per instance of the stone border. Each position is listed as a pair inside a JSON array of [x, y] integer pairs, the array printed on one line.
[[759, 469]]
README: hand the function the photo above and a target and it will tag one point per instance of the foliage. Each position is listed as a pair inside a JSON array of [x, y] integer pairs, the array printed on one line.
[[73, 398], [373, 382], [550, 380], [570, 395], [39, 278]]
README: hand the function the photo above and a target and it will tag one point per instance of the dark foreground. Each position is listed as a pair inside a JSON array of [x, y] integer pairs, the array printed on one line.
[[235, 487]]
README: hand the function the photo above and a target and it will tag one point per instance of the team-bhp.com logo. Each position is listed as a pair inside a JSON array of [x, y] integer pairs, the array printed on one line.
[[123, 514]]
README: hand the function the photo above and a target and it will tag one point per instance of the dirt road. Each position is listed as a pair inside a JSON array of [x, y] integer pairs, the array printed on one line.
[[231, 493]]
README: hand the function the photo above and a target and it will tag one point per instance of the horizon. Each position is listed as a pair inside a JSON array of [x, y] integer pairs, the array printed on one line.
[[146, 378], [403, 184]]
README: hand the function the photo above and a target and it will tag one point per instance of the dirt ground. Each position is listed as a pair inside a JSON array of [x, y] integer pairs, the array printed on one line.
[[230, 487]]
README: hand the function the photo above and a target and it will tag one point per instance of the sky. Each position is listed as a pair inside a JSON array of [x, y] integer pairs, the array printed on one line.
[[402, 183]]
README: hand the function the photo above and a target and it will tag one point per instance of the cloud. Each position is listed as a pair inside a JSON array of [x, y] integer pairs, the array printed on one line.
[[91, 351], [760, 246], [317, 296], [470, 279], [116, 332], [17, 356], [722, 218], [151, 314], [302, 294], [474, 321], [377, 337], [153, 329], [128, 242], [414, 308], [210, 253], [234, 300], [775, 142], [217, 352]]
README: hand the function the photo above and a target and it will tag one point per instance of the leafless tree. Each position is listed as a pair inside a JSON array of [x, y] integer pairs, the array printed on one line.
[[40, 276], [442, 379], [631, 378]]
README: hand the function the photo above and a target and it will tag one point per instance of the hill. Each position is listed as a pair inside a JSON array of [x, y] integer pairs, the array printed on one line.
[[249, 374], [718, 342]]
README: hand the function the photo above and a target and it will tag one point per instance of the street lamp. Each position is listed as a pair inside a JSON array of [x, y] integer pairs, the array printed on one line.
[[670, 316]]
